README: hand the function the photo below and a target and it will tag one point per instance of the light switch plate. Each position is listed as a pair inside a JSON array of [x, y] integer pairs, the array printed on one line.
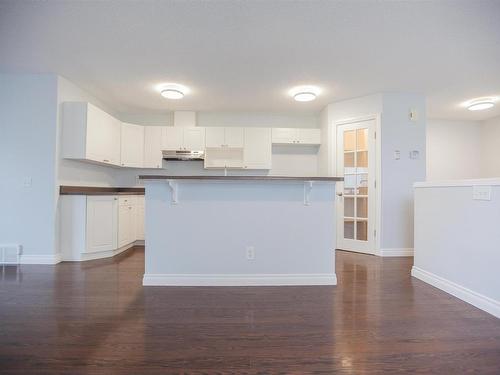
[[414, 154], [481, 193], [413, 115]]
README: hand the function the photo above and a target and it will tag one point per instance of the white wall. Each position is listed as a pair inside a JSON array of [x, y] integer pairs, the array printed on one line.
[[457, 241], [490, 148], [453, 150], [27, 152], [397, 132]]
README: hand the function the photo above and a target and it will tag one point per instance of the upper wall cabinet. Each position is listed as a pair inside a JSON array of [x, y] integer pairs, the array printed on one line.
[[257, 150], [217, 137], [178, 138], [296, 136], [152, 146], [132, 146], [90, 134]]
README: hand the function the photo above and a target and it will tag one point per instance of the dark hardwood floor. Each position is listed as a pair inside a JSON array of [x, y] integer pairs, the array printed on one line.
[[96, 318]]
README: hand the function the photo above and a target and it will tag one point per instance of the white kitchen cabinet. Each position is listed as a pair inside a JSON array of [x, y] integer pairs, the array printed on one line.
[[309, 136], [302, 136], [152, 146], [224, 157], [132, 145], [234, 137], [194, 139], [257, 148], [172, 138], [90, 134], [217, 137], [99, 226], [177, 138], [101, 223], [139, 232], [126, 220]]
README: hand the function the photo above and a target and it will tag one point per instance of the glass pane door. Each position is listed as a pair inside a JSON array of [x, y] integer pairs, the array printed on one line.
[[355, 149]]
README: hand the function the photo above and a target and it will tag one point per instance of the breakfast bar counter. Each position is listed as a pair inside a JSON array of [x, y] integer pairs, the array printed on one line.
[[240, 230]]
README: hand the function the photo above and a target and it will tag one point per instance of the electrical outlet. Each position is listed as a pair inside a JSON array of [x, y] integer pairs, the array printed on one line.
[[250, 253], [481, 193]]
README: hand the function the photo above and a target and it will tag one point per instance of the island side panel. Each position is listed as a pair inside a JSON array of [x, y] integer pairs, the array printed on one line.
[[203, 239]]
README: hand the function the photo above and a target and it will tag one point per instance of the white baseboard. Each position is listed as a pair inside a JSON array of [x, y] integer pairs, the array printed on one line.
[[100, 254], [476, 299], [39, 259], [238, 279], [396, 252]]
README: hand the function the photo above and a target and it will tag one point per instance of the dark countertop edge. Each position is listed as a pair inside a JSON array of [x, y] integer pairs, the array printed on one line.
[[99, 190], [243, 178]]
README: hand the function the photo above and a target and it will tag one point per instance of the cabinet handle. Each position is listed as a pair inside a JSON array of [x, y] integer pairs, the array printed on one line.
[[105, 160]]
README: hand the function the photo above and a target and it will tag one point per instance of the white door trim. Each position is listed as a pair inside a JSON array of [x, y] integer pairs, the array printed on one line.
[[378, 167]]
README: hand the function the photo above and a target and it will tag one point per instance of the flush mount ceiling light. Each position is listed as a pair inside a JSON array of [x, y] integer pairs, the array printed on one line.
[[480, 104], [304, 96], [172, 90], [304, 93], [172, 94]]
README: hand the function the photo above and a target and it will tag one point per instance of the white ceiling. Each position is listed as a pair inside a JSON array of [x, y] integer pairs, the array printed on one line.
[[245, 55]]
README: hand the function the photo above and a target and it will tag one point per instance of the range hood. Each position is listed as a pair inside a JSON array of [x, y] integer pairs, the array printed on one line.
[[184, 155]]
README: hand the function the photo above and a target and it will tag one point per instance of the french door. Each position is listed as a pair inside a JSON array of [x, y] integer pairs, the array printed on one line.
[[356, 200]]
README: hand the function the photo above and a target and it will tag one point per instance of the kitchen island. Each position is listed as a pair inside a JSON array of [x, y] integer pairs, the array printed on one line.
[[240, 230]]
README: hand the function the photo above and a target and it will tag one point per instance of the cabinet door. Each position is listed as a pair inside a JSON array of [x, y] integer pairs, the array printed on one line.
[[257, 151], [152, 147], [139, 219], [194, 139], [132, 145], [113, 142], [172, 138], [234, 137], [309, 136], [103, 137], [125, 225], [101, 225], [284, 135], [214, 137]]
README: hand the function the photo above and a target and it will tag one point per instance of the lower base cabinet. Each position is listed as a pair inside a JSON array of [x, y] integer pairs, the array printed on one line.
[[99, 226], [101, 223], [126, 220]]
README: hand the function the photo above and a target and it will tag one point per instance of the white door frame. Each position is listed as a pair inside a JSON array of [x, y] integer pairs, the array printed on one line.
[[378, 171]]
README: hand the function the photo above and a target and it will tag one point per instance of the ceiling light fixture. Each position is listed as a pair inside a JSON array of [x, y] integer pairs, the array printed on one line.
[[304, 96], [172, 94], [304, 93], [173, 91], [480, 104]]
